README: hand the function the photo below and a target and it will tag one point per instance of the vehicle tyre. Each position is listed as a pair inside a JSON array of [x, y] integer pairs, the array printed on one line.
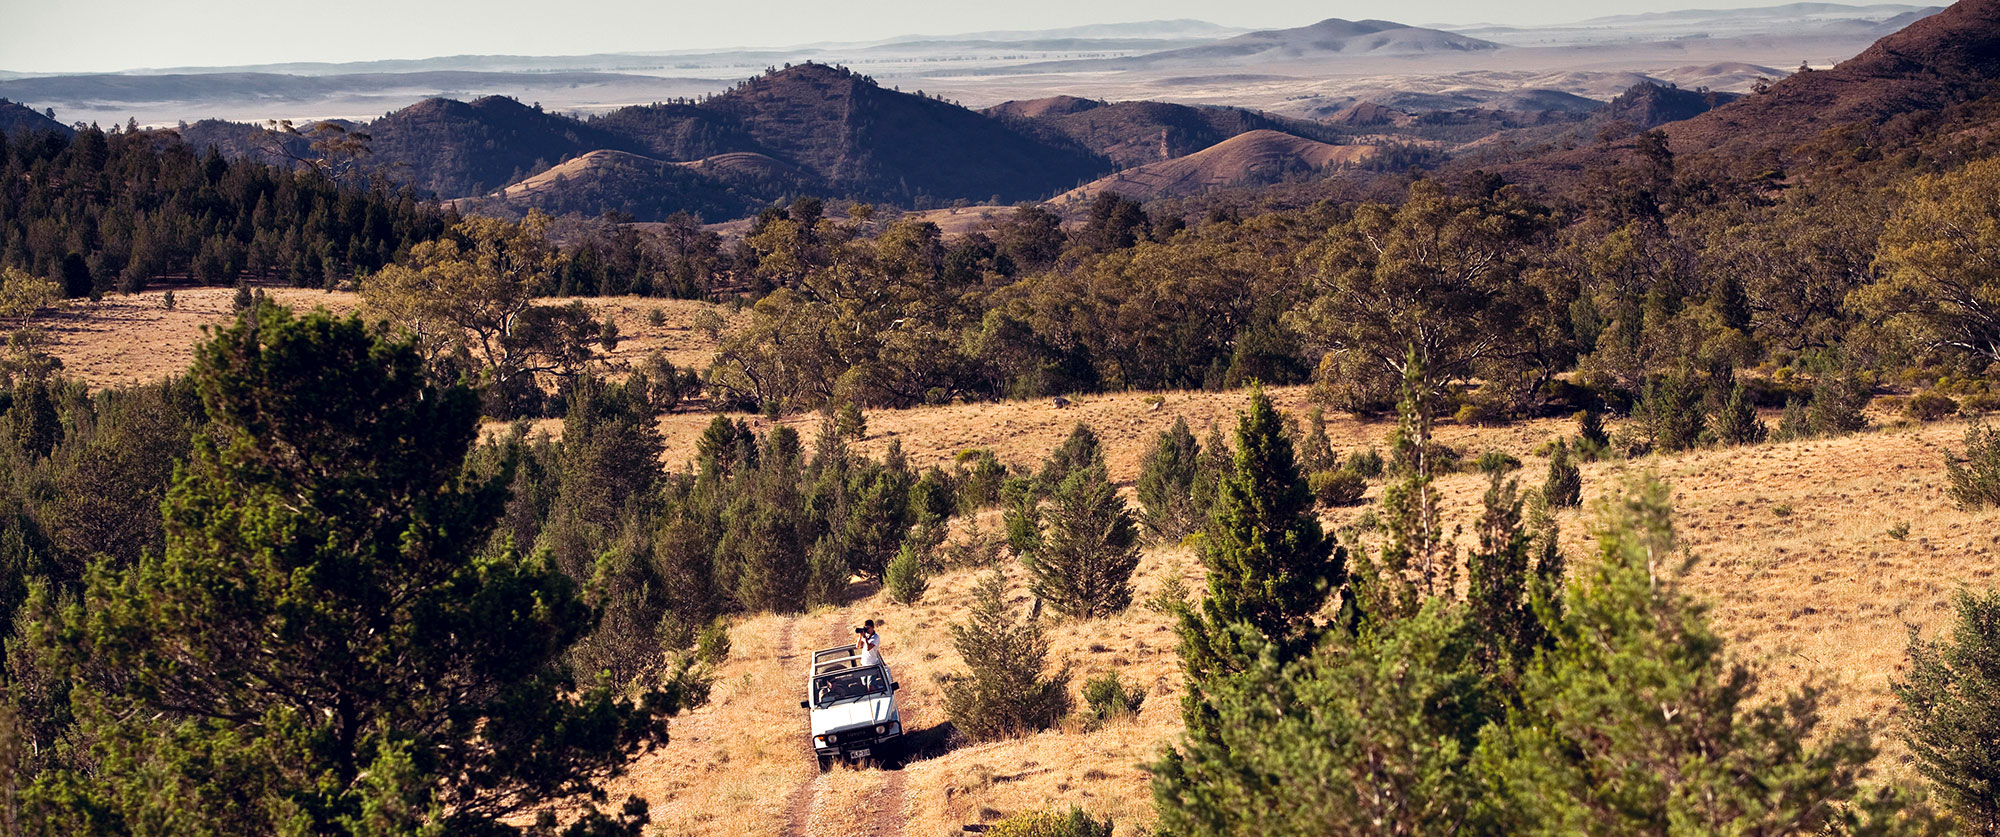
[[825, 763]]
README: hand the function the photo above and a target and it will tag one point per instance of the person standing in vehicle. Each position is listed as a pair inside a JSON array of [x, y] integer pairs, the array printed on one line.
[[869, 644]]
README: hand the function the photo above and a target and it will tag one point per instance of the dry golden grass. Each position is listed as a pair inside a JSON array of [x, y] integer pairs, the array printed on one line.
[[129, 338], [1821, 593]]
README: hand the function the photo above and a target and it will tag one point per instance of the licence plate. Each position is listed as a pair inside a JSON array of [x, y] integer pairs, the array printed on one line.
[[857, 754]]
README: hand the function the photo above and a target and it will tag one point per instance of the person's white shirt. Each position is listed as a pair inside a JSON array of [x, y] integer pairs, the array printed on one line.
[[870, 650]]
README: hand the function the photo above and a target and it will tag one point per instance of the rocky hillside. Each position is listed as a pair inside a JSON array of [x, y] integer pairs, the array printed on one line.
[[1943, 59]]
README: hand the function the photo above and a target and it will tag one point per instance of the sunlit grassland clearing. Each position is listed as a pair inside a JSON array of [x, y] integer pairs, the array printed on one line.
[[1818, 557], [1795, 544], [130, 338]]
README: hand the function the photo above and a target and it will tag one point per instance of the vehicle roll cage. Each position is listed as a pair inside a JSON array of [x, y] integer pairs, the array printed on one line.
[[830, 660]]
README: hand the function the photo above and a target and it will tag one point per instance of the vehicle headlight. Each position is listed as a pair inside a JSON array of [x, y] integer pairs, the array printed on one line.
[[881, 730], [833, 739]]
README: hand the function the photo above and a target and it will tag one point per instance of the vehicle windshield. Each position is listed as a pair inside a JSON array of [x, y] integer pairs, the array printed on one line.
[[852, 684]]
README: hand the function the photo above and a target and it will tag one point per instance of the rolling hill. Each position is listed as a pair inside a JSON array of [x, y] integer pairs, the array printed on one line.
[[861, 137], [1136, 133], [1254, 157], [455, 148], [1935, 81], [17, 119], [727, 185], [1936, 61], [820, 128]]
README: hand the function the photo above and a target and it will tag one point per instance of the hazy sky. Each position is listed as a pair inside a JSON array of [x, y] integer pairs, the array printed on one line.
[[47, 36]]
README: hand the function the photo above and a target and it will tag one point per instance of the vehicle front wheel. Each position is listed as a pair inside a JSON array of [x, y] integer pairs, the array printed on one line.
[[825, 763]]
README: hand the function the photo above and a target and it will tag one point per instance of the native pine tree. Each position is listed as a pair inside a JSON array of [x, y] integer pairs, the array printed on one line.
[[325, 644], [1564, 487], [1271, 569], [1167, 484], [1006, 690], [1951, 705], [1737, 423], [1078, 450], [1636, 721], [1417, 559], [1088, 547]]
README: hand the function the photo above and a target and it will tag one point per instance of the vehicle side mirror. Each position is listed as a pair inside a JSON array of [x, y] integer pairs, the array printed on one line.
[[895, 686], [805, 704]]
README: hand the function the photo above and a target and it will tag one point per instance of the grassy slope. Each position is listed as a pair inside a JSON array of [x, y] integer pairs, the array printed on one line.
[[1823, 592]]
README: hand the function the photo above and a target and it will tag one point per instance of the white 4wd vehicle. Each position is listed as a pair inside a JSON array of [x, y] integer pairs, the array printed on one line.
[[853, 707]]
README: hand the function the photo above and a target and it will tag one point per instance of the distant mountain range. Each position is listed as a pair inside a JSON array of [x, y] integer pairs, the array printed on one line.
[[806, 129], [1328, 38], [1812, 120]]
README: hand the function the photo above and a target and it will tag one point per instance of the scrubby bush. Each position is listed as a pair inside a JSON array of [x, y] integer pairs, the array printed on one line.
[[1590, 434], [1836, 406], [1478, 414], [1973, 475], [1005, 691], [1050, 823], [1794, 424], [1564, 488], [1334, 488], [1315, 449], [980, 481], [1930, 406], [1109, 698], [850, 423], [978, 548], [1496, 462], [1671, 410], [1364, 464]]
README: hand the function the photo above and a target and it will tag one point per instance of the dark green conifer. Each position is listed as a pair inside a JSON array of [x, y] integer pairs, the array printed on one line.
[[325, 572], [1737, 423], [1006, 690], [1951, 706], [1564, 487], [1167, 484], [1089, 547]]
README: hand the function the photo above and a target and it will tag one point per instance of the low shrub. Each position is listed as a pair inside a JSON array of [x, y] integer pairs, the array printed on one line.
[[1929, 406], [1973, 475], [1496, 462], [1478, 414], [1364, 464], [1564, 487], [1108, 698], [1981, 403], [712, 645], [1336, 488], [1049, 823]]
